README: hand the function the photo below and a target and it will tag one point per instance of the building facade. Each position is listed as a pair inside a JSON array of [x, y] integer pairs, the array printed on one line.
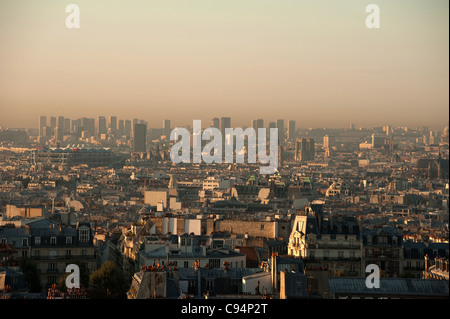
[[332, 243]]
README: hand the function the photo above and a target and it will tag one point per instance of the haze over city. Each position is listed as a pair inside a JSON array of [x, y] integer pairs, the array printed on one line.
[[311, 61], [241, 151]]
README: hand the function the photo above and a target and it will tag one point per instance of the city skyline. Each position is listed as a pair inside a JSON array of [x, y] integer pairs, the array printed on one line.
[[101, 127], [316, 63]]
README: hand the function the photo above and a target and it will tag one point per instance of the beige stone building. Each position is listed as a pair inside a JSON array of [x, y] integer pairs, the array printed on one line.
[[332, 243]]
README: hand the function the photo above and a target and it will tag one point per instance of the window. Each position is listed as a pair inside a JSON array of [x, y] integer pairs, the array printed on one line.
[[83, 253], [53, 241], [340, 254], [52, 267], [186, 264], [215, 263], [24, 253], [24, 242], [37, 240], [394, 240], [51, 280], [218, 243], [68, 240], [36, 254], [262, 226], [68, 253], [3, 241], [84, 235]]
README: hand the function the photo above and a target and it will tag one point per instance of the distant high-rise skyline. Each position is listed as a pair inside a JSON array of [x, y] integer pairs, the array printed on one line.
[[96, 127]]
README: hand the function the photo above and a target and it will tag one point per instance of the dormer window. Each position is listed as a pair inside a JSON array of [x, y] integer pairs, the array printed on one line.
[[84, 234], [394, 240]]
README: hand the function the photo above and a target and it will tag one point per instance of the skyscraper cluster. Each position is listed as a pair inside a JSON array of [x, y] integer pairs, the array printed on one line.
[[100, 128]]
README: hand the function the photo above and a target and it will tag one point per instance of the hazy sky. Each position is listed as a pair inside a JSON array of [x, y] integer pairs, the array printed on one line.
[[313, 61]]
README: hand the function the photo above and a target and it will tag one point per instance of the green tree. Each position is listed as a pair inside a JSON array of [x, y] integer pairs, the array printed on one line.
[[107, 282], [31, 274]]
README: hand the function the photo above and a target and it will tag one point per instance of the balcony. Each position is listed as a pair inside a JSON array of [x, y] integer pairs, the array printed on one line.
[[413, 268], [342, 259], [383, 256], [63, 257], [337, 247]]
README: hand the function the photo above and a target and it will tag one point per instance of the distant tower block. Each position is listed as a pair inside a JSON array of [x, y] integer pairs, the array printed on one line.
[[140, 138]]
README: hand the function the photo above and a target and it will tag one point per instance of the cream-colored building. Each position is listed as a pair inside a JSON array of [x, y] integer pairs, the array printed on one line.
[[333, 243], [24, 211]]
